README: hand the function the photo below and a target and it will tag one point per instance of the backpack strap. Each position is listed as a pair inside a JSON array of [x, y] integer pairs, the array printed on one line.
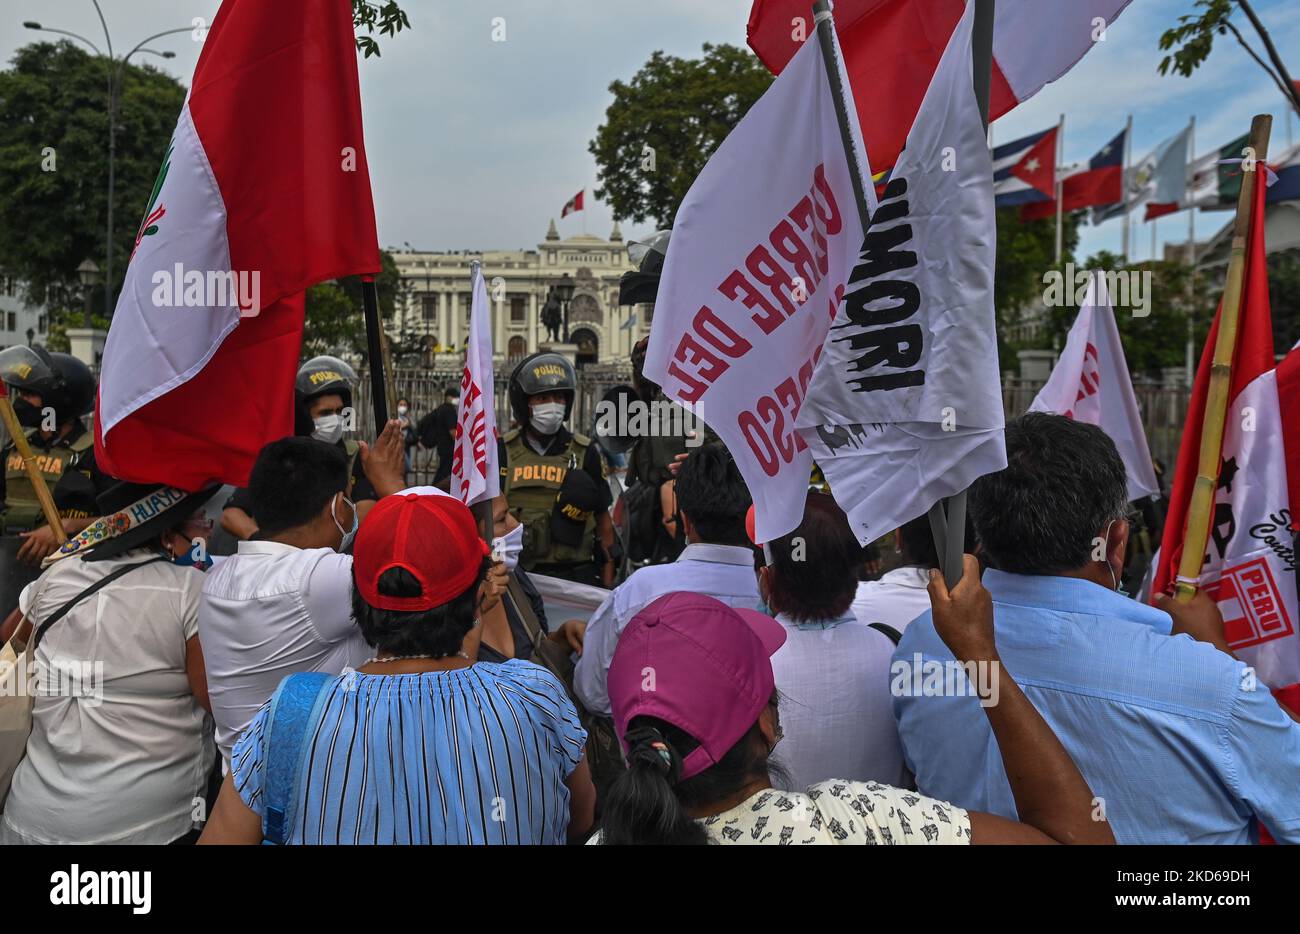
[[295, 711], [98, 585], [890, 632]]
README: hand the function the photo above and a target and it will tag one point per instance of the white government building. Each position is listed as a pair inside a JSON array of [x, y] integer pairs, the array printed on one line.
[[437, 297]]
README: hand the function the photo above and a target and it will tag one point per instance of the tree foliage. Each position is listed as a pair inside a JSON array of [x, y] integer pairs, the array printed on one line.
[[335, 314], [1026, 251], [665, 122], [387, 18], [54, 165]]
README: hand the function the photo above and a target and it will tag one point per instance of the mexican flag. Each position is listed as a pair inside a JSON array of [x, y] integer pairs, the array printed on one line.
[[1212, 183], [1249, 565], [264, 190]]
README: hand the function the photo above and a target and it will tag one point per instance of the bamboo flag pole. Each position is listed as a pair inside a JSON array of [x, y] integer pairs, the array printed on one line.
[[29, 463], [1225, 346]]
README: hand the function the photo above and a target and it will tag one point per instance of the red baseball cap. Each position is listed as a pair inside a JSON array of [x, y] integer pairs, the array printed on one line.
[[698, 664], [435, 538]]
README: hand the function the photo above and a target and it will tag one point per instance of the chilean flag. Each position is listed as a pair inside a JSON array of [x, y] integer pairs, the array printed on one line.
[[1098, 184], [1249, 565], [264, 191], [891, 49]]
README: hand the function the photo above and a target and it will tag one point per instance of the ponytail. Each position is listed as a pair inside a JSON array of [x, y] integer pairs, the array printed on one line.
[[649, 803], [642, 807]]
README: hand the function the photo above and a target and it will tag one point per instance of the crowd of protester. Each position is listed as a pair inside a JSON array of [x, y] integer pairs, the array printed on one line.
[[385, 675]]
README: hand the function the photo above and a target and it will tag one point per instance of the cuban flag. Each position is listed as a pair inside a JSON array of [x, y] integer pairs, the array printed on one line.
[[263, 191], [1098, 183], [1024, 170], [892, 47]]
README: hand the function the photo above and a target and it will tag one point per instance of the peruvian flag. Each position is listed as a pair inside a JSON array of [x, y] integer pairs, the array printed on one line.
[[474, 472], [891, 49], [1249, 565], [1091, 383], [573, 204], [264, 191]]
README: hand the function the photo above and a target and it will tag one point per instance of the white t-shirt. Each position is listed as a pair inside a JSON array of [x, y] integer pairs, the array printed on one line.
[[268, 611], [837, 715], [121, 751], [838, 812], [899, 597]]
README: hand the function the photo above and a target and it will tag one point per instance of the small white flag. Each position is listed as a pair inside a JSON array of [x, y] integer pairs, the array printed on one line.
[[1090, 383], [905, 406], [475, 475]]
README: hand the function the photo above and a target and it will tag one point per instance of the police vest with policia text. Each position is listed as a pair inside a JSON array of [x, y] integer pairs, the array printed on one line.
[[22, 508], [532, 484]]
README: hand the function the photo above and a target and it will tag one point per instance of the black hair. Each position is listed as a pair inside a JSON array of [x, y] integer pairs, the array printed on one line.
[[293, 479], [1063, 483], [648, 804], [918, 541], [437, 632], [713, 495], [814, 569]]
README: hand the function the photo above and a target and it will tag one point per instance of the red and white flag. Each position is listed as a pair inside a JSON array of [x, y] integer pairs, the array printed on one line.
[[1249, 565], [891, 49], [264, 191], [573, 204], [474, 470], [759, 257], [1091, 383]]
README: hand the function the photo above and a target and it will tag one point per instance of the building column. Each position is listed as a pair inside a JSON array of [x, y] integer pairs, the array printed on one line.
[[532, 322], [442, 318]]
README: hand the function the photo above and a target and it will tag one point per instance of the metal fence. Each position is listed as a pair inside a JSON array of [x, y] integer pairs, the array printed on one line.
[[1163, 408]]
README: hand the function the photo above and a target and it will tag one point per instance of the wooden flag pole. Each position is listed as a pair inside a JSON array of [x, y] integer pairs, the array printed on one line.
[[29, 463], [1216, 401], [374, 352]]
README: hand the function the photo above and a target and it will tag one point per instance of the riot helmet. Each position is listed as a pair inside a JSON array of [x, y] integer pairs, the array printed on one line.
[[538, 373], [320, 376], [63, 382]]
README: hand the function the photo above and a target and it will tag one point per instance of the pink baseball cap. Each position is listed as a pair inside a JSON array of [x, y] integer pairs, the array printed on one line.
[[696, 663]]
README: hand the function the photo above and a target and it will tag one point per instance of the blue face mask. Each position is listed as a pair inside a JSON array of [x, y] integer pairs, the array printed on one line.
[[186, 559]]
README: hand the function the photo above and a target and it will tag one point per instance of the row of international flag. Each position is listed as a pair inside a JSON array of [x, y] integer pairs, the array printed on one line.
[[1167, 179]]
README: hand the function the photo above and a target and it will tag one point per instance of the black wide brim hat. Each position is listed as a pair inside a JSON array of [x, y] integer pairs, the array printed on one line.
[[142, 512]]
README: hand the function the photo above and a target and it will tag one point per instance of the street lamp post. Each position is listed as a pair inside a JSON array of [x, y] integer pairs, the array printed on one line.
[[88, 273], [564, 292], [116, 69]]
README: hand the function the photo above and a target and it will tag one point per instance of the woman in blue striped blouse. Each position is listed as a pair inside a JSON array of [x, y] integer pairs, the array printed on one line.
[[420, 744]]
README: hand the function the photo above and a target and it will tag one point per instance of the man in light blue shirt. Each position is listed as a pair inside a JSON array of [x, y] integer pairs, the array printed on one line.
[[1179, 741], [718, 561]]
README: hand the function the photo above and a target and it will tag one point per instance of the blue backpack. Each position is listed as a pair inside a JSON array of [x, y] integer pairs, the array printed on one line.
[[296, 709]]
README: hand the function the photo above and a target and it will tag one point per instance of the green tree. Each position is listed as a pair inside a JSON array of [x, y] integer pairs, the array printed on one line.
[[1193, 39], [1284, 295], [335, 316], [54, 165], [665, 123], [386, 17], [1026, 251]]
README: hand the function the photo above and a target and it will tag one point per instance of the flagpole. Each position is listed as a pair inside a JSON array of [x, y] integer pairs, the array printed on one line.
[[1128, 153], [1059, 187], [374, 352], [1191, 262], [825, 22], [1216, 402]]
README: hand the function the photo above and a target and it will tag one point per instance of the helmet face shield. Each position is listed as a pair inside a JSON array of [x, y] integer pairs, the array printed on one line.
[[544, 372], [23, 368]]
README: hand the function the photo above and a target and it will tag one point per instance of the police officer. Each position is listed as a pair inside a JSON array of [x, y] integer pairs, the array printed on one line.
[[554, 479], [322, 395], [50, 392]]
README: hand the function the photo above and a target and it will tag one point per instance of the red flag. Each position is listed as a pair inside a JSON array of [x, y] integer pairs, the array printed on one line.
[[266, 183], [573, 204], [1252, 358]]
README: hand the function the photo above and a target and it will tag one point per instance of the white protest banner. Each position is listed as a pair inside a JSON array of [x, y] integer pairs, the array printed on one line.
[[761, 248], [905, 406], [475, 476], [1090, 382]]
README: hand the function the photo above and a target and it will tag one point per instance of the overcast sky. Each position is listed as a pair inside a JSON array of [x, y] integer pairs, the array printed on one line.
[[476, 144]]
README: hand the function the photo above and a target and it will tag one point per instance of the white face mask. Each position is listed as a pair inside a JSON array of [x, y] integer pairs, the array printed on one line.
[[401, 410], [547, 418], [507, 548], [350, 534], [329, 428]]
